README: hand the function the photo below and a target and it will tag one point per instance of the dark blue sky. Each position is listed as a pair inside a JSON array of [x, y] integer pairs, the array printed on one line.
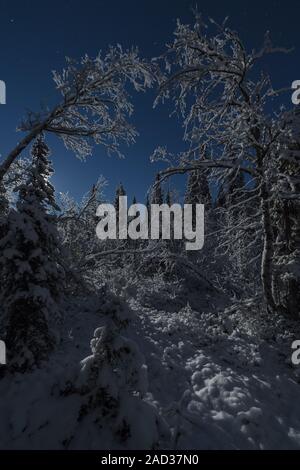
[[35, 36]]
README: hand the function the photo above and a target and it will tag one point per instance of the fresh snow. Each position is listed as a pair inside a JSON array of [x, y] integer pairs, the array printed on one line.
[[216, 383]]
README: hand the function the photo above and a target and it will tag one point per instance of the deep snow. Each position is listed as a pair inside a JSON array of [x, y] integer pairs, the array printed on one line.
[[221, 380]]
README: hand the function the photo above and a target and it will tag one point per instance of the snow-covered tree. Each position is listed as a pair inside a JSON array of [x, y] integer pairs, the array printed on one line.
[[113, 384], [133, 244], [230, 191], [168, 198], [238, 237], [286, 223], [15, 176], [120, 191], [197, 190], [148, 206], [32, 276], [157, 196], [226, 114], [77, 222], [4, 206], [94, 105], [3, 200]]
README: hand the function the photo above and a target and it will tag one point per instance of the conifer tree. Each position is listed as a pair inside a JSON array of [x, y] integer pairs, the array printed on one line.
[[156, 197], [197, 191], [168, 198], [32, 277], [4, 207], [3, 200], [157, 193], [230, 190], [120, 191], [133, 244], [148, 206], [286, 229], [113, 383], [89, 218]]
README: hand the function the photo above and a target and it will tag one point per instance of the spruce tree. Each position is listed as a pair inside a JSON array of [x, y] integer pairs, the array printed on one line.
[[120, 191], [90, 219], [168, 198], [171, 243], [230, 191], [286, 229], [4, 207], [32, 278], [197, 191], [3, 201], [156, 197], [3, 230], [148, 206], [113, 384], [157, 193]]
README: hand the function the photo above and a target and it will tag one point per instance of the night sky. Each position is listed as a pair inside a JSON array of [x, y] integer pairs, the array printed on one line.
[[35, 37]]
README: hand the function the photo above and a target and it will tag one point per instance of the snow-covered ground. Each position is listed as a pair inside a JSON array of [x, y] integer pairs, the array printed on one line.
[[220, 380], [220, 388]]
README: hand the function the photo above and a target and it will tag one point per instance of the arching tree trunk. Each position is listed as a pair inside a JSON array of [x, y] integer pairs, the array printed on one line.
[[13, 155]]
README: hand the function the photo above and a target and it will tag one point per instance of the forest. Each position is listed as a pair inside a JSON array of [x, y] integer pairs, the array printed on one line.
[[142, 343]]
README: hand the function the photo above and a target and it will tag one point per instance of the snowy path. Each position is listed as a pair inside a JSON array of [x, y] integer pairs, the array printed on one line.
[[217, 386]]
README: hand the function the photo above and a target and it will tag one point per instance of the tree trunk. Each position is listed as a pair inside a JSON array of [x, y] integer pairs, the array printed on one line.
[[19, 148], [42, 126], [267, 255]]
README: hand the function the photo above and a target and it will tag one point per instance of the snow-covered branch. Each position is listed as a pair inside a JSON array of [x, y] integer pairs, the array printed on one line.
[[95, 106]]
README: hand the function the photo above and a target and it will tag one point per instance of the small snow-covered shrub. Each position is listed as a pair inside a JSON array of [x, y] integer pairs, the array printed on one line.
[[113, 385], [250, 317]]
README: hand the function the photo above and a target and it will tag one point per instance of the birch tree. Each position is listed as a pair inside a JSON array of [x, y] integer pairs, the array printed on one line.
[[224, 98]]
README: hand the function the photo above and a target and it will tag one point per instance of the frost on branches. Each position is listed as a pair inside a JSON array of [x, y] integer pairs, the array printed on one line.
[[226, 117], [95, 105]]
